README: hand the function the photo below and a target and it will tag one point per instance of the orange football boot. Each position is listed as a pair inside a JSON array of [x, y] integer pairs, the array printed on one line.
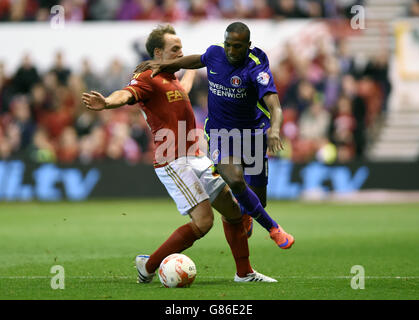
[[281, 238]]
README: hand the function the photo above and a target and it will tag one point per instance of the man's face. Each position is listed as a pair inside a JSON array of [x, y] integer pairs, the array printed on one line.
[[172, 48], [235, 47]]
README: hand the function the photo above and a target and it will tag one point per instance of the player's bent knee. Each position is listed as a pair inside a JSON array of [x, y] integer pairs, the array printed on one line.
[[205, 224], [226, 205], [234, 220], [232, 175], [203, 217], [237, 185]]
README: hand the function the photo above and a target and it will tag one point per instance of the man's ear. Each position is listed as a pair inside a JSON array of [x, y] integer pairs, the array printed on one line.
[[158, 53], [250, 43]]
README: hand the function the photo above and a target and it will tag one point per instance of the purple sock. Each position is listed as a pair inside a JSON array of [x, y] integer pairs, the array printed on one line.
[[250, 204]]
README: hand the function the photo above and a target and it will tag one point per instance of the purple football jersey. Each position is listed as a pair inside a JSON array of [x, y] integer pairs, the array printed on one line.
[[235, 93]]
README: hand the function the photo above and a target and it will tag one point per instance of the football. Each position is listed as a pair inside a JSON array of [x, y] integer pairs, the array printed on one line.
[[177, 271]]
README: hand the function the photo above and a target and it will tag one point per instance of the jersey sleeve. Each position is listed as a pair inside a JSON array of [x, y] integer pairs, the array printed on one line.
[[261, 76], [140, 86], [208, 56]]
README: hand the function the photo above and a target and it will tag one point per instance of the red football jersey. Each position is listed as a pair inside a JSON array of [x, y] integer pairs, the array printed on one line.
[[168, 113]]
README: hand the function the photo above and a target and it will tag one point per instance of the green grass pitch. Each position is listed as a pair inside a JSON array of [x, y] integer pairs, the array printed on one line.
[[96, 243]]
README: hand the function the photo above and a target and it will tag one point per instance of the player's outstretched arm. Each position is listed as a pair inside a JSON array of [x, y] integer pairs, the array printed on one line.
[[187, 80], [171, 66], [97, 102], [274, 141]]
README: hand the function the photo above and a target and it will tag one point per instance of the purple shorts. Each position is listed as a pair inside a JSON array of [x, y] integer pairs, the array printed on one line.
[[247, 146]]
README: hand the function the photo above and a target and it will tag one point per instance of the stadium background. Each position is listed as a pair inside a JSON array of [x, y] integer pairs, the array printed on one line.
[[351, 121], [345, 92]]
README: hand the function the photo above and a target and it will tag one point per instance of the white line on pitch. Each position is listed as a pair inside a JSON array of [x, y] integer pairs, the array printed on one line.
[[212, 277]]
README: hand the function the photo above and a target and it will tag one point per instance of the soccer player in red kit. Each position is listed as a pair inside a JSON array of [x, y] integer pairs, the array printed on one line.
[[242, 99], [186, 173]]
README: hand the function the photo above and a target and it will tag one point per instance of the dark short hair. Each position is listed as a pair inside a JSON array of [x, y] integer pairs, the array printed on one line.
[[156, 38], [239, 27]]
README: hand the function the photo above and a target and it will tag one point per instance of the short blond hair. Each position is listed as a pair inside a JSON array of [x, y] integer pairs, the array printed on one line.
[[156, 38]]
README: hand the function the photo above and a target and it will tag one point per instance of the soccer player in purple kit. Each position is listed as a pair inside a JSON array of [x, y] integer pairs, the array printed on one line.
[[241, 96]]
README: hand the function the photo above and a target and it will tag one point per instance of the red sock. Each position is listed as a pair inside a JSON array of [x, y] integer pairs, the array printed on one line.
[[237, 239], [181, 239]]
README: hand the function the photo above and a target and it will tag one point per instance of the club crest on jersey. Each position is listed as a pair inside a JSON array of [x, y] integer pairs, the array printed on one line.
[[235, 81], [215, 155], [263, 78]]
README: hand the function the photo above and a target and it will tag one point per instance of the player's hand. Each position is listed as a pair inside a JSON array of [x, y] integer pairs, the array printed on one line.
[[274, 141], [94, 101], [155, 66]]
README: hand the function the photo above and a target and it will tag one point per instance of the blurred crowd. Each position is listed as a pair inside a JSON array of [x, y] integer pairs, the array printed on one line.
[[42, 116], [329, 104], [173, 10]]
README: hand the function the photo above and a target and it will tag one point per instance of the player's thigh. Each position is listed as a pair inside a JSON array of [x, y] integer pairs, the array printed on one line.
[[183, 185], [232, 173], [219, 193], [225, 204]]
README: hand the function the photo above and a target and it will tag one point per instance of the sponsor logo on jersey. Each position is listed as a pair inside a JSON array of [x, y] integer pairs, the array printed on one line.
[[174, 95], [263, 78], [235, 81]]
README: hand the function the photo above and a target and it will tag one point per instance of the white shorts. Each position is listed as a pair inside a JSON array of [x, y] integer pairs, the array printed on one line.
[[189, 181]]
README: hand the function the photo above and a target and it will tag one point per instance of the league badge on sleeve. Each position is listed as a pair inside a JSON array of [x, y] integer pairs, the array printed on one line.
[[133, 82], [263, 78]]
